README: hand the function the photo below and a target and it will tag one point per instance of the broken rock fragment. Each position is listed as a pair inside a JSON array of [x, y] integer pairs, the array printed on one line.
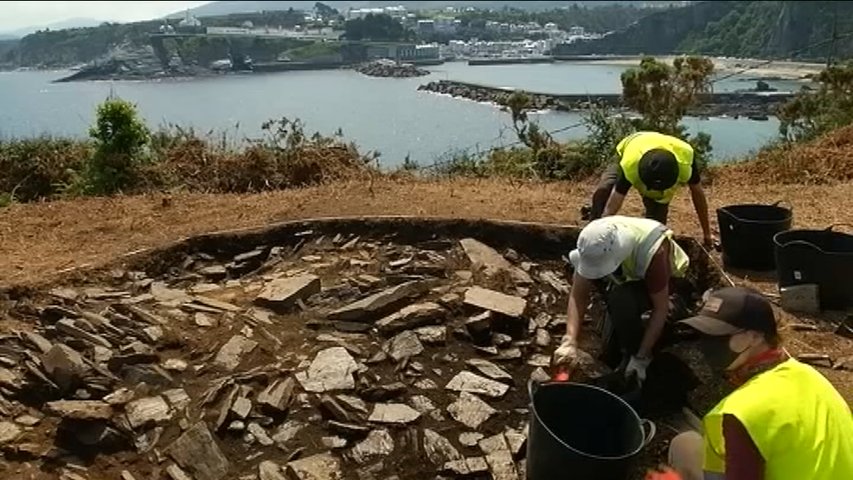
[[63, 365], [470, 411], [80, 409], [277, 396], [268, 470], [410, 317], [151, 410], [8, 432], [395, 413], [324, 466], [492, 262], [282, 293], [332, 369], [438, 449], [472, 383], [377, 444], [499, 457], [489, 369], [197, 451], [497, 302], [468, 466], [231, 354], [404, 345], [367, 308]]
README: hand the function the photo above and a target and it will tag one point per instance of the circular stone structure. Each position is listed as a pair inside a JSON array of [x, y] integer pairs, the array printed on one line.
[[351, 346]]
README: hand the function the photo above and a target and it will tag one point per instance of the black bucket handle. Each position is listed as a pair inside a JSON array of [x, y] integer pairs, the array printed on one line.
[[649, 431], [793, 243]]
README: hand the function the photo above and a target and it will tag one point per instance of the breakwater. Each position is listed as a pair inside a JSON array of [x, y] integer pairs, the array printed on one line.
[[755, 105]]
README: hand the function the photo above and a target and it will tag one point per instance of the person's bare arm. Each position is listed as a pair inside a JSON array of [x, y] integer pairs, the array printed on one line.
[[578, 303], [700, 203], [614, 203]]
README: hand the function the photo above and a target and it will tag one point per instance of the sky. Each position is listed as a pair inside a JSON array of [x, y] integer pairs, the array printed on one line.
[[15, 15]]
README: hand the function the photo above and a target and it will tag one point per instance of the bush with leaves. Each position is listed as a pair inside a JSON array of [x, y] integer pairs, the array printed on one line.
[[811, 114], [661, 94], [120, 139]]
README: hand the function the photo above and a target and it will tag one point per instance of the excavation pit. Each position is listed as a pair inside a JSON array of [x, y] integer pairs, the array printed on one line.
[[371, 346]]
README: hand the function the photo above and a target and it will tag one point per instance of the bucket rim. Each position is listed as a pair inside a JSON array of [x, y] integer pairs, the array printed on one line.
[[590, 387], [778, 239], [789, 213]]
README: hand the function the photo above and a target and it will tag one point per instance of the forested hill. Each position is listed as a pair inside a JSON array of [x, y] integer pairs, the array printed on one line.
[[756, 29]]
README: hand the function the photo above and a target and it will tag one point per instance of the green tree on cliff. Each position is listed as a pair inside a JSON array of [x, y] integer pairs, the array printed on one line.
[[375, 27]]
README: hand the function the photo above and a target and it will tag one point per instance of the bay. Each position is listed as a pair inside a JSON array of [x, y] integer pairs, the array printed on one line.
[[387, 115]]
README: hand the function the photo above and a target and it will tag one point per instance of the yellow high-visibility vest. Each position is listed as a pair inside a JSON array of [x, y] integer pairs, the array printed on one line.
[[648, 235], [801, 425], [632, 148]]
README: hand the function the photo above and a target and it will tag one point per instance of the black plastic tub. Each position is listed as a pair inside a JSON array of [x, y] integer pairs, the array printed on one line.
[[746, 234], [821, 257]]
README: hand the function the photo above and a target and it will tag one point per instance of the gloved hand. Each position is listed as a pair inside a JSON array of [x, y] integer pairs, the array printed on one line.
[[663, 473], [638, 367], [567, 354]]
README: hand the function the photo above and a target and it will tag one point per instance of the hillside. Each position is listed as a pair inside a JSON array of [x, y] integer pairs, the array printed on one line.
[[228, 7], [733, 28]]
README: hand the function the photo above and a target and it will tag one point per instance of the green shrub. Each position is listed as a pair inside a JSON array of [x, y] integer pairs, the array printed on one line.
[[811, 114], [120, 139]]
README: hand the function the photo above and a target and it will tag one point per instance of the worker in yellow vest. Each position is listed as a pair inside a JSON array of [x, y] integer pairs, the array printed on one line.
[[785, 421], [657, 165], [637, 258]]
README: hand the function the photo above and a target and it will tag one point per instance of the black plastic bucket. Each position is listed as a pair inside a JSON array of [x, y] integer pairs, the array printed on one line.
[[821, 257], [582, 431], [746, 234]]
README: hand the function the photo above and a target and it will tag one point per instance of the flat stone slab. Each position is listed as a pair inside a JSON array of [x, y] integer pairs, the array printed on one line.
[[8, 432], [377, 444], [497, 302], [268, 470], [282, 293], [331, 369], [197, 451], [470, 411], [491, 261], [467, 466], [148, 410], [438, 449], [324, 466], [489, 369], [404, 345], [396, 413], [80, 409], [368, 307], [473, 383], [432, 335], [499, 457], [231, 354], [411, 316]]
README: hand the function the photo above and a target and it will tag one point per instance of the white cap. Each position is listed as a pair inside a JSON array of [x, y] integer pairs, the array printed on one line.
[[602, 247]]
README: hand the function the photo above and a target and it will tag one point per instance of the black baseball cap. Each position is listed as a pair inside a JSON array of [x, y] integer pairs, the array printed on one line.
[[733, 309], [658, 169]]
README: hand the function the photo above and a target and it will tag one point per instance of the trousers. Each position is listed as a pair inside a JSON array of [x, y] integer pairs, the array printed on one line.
[[623, 328], [654, 210]]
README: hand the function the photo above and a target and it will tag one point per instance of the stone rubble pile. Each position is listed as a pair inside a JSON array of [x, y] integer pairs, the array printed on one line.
[[331, 358]]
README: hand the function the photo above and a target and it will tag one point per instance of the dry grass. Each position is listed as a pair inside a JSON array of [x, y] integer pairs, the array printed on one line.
[[37, 240], [825, 161]]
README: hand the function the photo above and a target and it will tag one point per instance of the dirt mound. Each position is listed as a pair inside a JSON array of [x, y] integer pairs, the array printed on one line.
[[826, 160], [349, 356]]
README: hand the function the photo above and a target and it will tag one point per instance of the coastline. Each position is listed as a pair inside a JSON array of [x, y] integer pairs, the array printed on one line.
[[758, 68]]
